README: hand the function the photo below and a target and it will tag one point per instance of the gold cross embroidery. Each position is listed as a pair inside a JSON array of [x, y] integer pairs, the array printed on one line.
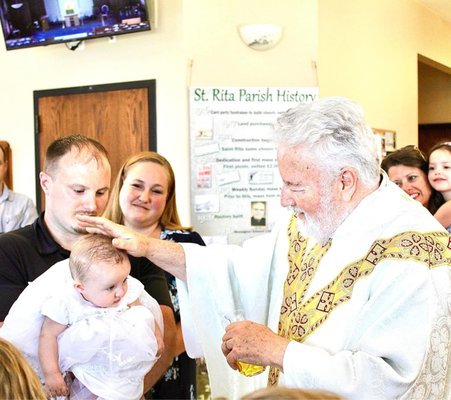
[[299, 318]]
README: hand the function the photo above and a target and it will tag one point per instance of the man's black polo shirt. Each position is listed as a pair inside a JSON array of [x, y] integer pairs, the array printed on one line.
[[28, 252]]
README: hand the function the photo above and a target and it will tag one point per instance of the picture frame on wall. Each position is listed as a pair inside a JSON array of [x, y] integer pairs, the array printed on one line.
[[390, 141], [386, 140]]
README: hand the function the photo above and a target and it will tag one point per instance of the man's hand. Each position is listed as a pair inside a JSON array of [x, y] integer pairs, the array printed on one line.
[[160, 341], [254, 344], [165, 361]]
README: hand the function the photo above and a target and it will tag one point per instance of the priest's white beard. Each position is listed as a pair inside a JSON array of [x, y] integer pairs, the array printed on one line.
[[321, 226]]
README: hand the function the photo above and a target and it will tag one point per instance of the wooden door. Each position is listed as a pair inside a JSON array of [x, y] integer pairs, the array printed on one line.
[[8, 158], [431, 134], [120, 116]]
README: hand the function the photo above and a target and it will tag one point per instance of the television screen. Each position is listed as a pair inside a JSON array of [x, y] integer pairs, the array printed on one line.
[[28, 23]]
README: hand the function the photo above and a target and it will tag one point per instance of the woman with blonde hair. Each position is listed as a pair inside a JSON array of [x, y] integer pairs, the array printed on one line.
[[18, 379], [143, 198], [169, 218]]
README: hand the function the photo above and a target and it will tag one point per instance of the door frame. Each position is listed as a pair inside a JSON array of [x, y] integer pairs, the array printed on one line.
[[431, 134], [150, 85]]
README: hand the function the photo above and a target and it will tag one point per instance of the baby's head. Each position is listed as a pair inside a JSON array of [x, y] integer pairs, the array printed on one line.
[[99, 270]]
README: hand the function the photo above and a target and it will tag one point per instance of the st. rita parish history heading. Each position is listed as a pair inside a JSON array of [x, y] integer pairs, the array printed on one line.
[[247, 95]]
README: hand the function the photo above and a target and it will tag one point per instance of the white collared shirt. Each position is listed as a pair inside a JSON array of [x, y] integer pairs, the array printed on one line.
[[16, 210]]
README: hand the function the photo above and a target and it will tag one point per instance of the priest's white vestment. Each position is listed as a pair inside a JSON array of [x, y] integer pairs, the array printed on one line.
[[389, 340]]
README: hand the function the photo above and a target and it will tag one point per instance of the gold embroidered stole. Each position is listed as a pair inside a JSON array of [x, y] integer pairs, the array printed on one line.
[[299, 318]]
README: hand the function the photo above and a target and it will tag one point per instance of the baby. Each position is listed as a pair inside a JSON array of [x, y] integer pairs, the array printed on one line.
[[90, 318], [440, 179]]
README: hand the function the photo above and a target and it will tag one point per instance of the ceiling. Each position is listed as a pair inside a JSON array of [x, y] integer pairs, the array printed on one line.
[[440, 7]]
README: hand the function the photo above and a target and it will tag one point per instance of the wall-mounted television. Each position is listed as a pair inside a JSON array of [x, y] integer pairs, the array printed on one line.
[[29, 23]]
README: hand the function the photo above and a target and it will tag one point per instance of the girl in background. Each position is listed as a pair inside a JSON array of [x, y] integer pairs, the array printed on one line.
[[440, 179], [143, 198]]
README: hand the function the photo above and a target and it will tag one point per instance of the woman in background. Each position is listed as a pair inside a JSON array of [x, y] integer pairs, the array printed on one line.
[[440, 179], [408, 168], [143, 198], [17, 379]]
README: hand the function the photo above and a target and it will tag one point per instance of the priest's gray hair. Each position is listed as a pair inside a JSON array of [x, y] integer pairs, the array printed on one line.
[[334, 132]]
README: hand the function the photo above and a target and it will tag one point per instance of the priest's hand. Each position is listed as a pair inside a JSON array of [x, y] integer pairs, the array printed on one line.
[[253, 343], [164, 253], [123, 238]]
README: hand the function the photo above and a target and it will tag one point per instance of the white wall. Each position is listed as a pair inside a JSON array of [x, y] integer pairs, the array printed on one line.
[[368, 50], [365, 49], [434, 87]]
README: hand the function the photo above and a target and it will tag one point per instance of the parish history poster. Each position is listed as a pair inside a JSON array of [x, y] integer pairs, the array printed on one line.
[[235, 183]]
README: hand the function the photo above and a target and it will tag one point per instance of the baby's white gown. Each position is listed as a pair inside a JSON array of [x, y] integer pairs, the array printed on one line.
[[109, 350]]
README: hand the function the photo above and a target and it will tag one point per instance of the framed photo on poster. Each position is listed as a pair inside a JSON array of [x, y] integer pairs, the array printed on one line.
[[387, 139]]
